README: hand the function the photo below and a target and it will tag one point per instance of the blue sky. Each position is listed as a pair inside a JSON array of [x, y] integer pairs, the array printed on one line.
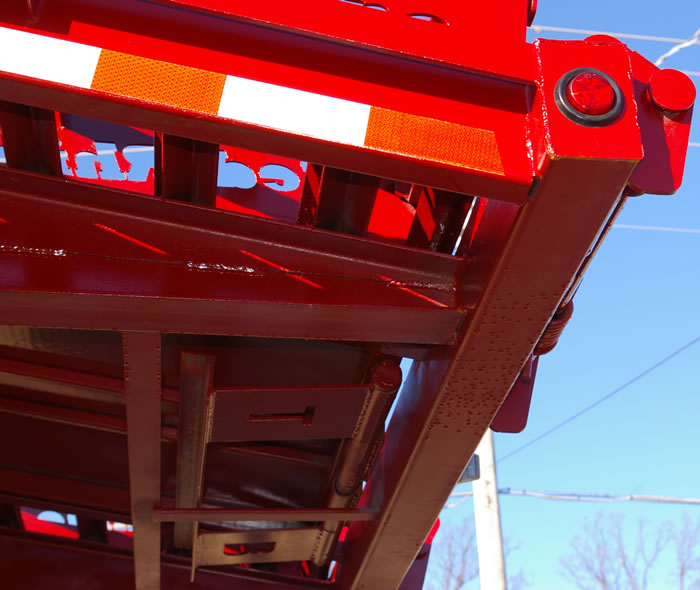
[[638, 303]]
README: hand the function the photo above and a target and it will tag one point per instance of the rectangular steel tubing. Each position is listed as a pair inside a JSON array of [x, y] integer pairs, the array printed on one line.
[[29, 138], [455, 36], [186, 169], [311, 194], [61, 382], [345, 201], [129, 311], [439, 219], [142, 358], [92, 530], [502, 171], [49, 481], [10, 515], [38, 488], [178, 515], [68, 383], [92, 566], [213, 229], [95, 420], [82, 266], [243, 414], [66, 508], [449, 400], [196, 376]]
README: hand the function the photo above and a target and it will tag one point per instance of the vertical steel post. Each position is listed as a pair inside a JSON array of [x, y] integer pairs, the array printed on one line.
[[196, 372], [142, 361]]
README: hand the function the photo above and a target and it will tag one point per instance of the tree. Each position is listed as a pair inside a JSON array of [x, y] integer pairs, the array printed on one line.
[[455, 558], [686, 539], [604, 558]]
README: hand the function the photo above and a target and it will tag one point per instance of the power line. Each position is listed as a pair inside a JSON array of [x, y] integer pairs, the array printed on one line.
[[682, 230], [600, 400], [679, 43], [694, 40], [577, 497], [540, 28]]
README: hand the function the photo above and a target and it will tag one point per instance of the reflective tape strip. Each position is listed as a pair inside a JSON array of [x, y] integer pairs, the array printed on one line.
[[159, 82], [431, 139], [295, 111], [248, 101], [53, 60]]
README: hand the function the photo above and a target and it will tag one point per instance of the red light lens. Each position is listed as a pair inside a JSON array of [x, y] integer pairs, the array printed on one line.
[[591, 94]]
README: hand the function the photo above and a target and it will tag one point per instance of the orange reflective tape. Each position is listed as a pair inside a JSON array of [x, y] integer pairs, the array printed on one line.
[[158, 81], [451, 143]]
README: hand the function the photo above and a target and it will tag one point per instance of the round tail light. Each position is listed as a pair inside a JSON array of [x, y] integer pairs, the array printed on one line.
[[589, 97]]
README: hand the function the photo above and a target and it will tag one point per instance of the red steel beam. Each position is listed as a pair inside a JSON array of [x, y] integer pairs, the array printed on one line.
[[186, 169], [142, 381], [62, 382], [512, 186], [73, 507], [94, 420], [450, 399], [345, 201], [196, 377], [449, 33], [127, 262], [184, 515], [38, 561], [50, 490], [491, 108], [89, 468], [29, 138]]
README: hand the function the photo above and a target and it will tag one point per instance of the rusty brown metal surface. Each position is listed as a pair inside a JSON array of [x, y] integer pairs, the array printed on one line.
[[196, 377], [286, 414], [142, 381], [273, 545], [263, 514]]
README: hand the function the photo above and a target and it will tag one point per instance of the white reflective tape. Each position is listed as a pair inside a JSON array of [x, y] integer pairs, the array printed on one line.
[[294, 111], [48, 59]]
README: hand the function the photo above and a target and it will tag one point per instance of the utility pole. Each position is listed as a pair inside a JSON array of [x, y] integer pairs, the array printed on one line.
[[487, 516]]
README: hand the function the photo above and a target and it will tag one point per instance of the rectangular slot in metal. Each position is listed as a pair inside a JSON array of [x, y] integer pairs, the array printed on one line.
[[295, 413]]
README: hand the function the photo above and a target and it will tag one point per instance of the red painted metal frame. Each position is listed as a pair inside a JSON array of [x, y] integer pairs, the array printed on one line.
[[294, 309], [39, 562], [351, 72], [197, 252], [142, 389], [454, 36]]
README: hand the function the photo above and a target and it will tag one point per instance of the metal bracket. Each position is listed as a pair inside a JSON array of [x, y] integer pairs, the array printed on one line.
[[196, 376], [295, 413], [263, 546]]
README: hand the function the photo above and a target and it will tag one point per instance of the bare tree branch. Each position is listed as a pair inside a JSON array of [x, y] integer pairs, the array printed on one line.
[[603, 558], [457, 557], [455, 552], [686, 539]]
